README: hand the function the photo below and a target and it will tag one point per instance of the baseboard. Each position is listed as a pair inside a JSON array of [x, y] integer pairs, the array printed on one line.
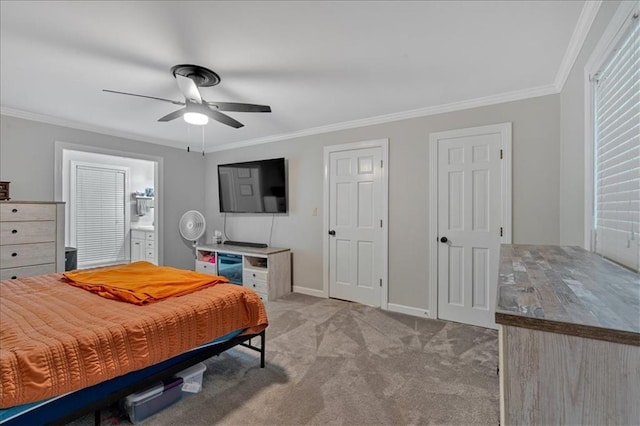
[[408, 310], [309, 291], [393, 307]]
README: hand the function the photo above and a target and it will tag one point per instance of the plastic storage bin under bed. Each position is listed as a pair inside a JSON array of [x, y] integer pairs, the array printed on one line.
[[148, 402], [192, 378]]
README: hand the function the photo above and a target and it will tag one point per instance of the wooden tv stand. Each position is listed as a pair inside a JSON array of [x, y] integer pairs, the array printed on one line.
[[265, 270]]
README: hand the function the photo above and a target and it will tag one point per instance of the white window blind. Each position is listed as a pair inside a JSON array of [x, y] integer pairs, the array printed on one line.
[[99, 211], [617, 152]]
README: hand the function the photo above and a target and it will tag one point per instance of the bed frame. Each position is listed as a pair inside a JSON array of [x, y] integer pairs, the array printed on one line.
[[94, 398]]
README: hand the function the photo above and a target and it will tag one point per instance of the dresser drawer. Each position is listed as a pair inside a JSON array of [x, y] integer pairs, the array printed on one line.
[[27, 254], [206, 267], [263, 297], [27, 232], [137, 234], [11, 212], [26, 271], [248, 274], [256, 284]]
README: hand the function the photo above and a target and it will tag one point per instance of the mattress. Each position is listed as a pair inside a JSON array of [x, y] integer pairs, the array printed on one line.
[[55, 338], [49, 410]]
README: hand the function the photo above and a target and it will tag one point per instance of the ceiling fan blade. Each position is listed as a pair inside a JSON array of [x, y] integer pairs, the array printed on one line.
[[239, 107], [144, 96], [189, 89], [223, 118], [173, 115]]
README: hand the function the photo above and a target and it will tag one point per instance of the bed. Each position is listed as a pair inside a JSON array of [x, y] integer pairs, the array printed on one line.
[[78, 351]]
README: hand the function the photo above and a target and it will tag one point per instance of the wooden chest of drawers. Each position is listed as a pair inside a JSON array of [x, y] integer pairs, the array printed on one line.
[[31, 238]]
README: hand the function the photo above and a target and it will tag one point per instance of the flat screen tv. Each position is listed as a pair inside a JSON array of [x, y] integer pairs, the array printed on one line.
[[253, 187]]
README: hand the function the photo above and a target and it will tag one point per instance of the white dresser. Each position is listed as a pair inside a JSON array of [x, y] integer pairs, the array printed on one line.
[[143, 245], [31, 238], [267, 270]]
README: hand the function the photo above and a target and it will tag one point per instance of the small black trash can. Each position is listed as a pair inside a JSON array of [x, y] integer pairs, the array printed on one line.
[[70, 258]]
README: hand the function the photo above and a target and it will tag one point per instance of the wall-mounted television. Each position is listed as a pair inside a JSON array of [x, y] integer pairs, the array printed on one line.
[[253, 187]]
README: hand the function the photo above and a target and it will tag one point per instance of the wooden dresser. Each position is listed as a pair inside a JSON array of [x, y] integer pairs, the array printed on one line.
[[31, 238], [569, 338]]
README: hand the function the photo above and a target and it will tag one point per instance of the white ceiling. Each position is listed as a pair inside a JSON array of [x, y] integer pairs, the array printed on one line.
[[320, 65]]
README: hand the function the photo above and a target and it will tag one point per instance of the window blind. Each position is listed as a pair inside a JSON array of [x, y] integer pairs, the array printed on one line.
[[100, 216], [617, 152]]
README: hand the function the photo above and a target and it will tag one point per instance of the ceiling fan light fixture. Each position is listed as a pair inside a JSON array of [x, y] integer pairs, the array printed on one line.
[[196, 118]]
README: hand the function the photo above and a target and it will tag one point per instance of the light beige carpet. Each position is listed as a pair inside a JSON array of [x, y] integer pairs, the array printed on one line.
[[335, 362]]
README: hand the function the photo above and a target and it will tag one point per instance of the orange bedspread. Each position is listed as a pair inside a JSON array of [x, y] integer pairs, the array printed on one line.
[[55, 338], [141, 282]]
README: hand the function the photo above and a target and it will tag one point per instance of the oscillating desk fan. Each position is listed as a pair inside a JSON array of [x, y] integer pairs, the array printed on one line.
[[192, 226]]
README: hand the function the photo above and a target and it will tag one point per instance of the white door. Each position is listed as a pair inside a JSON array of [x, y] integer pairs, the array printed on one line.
[[356, 206], [470, 225]]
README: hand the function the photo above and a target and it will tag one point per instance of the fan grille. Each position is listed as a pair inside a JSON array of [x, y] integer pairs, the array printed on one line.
[[192, 225]]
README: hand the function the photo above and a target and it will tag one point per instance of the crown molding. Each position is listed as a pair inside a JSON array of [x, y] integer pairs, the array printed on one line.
[[381, 119], [580, 32], [56, 121]]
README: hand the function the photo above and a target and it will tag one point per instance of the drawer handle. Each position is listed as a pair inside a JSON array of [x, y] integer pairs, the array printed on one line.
[[253, 275], [14, 210], [14, 254], [14, 277], [254, 285], [14, 231]]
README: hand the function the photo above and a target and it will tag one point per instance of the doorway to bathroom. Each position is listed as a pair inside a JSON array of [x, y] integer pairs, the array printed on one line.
[[110, 197]]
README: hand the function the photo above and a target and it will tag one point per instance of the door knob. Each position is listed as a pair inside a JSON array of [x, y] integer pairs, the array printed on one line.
[[444, 239], [332, 232]]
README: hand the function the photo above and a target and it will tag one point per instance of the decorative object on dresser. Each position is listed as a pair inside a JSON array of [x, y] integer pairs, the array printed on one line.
[[4, 191], [31, 238], [267, 271]]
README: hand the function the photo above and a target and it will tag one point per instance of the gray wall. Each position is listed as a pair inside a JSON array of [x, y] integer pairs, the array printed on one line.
[[572, 149], [27, 161], [548, 179], [536, 133]]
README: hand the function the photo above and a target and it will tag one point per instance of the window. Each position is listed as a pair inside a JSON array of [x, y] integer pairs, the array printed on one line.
[[616, 150], [98, 214]]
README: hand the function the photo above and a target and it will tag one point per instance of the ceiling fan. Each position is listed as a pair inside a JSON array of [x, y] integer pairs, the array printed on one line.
[[196, 110]]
